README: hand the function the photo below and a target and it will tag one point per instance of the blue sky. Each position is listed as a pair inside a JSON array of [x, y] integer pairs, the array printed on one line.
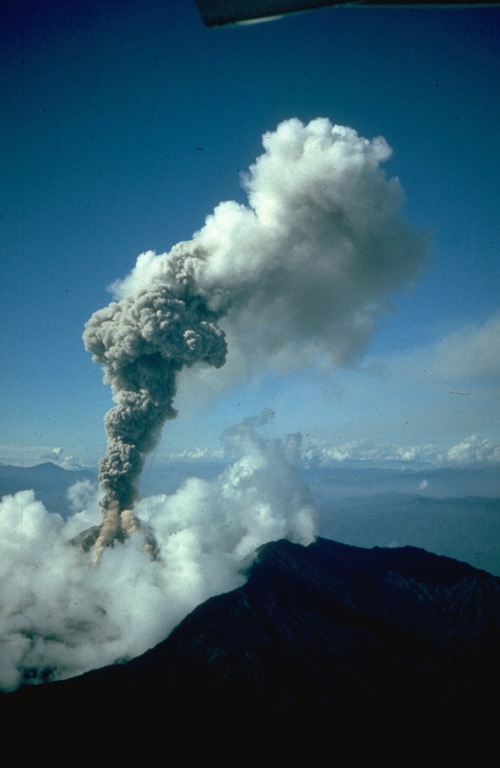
[[126, 123]]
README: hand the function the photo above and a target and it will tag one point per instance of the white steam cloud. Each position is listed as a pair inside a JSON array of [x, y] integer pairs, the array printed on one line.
[[298, 275], [303, 271], [59, 616]]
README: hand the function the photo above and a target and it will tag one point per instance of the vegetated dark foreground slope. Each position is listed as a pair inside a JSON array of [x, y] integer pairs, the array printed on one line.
[[379, 636]]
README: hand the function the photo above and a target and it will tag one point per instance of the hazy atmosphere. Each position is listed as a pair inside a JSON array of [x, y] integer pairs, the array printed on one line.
[[280, 244]]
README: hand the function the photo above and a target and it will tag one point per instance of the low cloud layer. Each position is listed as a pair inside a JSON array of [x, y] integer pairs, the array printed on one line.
[[473, 451]]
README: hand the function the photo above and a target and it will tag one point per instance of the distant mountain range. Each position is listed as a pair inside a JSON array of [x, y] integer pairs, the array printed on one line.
[[452, 511], [363, 506], [371, 637], [344, 480], [466, 528], [341, 481], [49, 482]]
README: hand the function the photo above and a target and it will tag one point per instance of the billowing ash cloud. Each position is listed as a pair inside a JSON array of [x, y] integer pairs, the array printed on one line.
[[142, 343], [300, 273]]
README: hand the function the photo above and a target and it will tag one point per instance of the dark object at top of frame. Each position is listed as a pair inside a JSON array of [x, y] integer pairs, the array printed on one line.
[[221, 12]]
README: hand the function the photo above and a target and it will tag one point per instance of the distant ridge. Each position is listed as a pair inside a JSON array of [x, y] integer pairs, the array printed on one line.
[[466, 528], [49, 482], [370, 637]]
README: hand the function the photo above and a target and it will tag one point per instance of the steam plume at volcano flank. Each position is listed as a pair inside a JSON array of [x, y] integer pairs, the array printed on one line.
[[302, 271]]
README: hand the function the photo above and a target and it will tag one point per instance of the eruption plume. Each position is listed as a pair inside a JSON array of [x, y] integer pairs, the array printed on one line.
[[298, 276], [302, 272], [142, 343]]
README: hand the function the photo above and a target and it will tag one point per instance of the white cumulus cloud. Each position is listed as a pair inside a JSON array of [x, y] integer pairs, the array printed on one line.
[[473, 450]]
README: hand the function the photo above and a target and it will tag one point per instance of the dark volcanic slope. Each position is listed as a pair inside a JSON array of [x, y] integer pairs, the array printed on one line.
[[377, 636]]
